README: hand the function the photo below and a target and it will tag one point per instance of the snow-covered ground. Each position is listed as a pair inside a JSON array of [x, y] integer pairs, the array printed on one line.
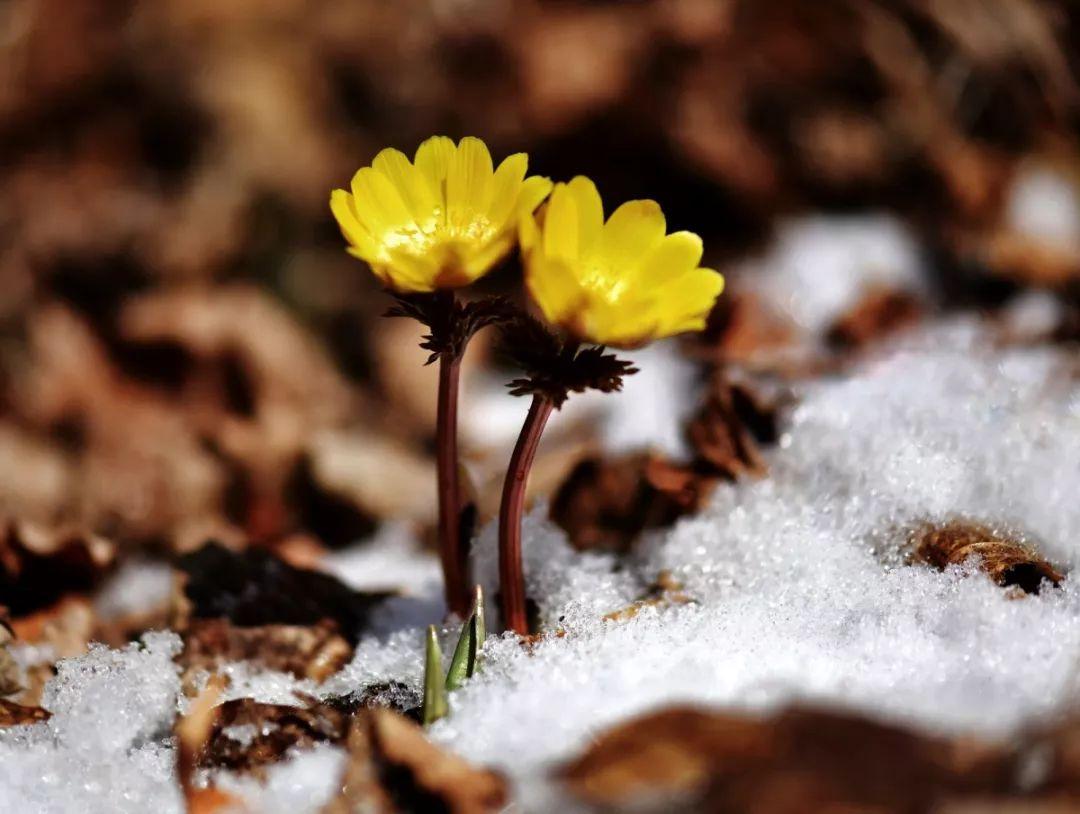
[[801, 593], [799, 585]]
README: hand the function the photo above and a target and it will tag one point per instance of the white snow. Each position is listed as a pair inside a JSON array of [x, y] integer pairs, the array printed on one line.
[[819, 266], [1044, 204], [391, 560], [106, 749], [136, 587], [305, 781], [801, 589]]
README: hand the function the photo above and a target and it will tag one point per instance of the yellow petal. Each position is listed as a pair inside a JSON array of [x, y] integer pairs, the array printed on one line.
[[505, 187], [561, 226], [631, 232], [408, 181], [468, 180], [533, 191], [433, 160], [628, 323], [672, 257], [528, 232], [377, 204], [411, 273], [686, 301], [590, 210], [377, 268], [554, 288], [480, 262], [351, 228]]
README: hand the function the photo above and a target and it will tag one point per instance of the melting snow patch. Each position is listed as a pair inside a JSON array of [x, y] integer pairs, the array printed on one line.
[[107, 746]]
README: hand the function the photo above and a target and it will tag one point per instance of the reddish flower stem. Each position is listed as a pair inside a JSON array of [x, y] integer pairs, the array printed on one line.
[[454, 555], [511, 576]]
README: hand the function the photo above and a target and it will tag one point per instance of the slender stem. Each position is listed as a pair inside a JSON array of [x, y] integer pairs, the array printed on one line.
[[452, 552], [511, 577]]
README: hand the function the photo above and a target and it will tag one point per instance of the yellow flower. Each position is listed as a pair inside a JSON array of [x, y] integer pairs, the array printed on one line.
[[620, 283], [441, 221]]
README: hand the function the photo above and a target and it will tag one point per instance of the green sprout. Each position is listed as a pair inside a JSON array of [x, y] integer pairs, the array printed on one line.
[[463, 664], [467, 653], [434, 687]]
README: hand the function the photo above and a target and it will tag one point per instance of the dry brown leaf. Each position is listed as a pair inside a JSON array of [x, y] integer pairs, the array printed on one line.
[[254, 588], [12, 714], [39, 565], [578, 61], [878, 313], [686, 486], [801, 760], [192, 730], [389, 694], [10, 674], [726, 432], [314, 652], [606, 502], [380, 476], [394, 768], [1006, 561], [743, 329], [247, 735], [37, 476], [140, 468], [66, 626], [62, 630], [292, 380], [664, 592]]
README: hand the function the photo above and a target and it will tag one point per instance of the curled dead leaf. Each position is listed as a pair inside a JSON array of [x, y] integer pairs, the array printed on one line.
[[726, 432], [42, 488], [743, 329], [394, 768], [379, 476], [606, 502], [12, 714], [1006, 561], [683, 484]]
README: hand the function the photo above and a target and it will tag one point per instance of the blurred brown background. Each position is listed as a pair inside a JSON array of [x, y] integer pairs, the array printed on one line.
[[188, 352]]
